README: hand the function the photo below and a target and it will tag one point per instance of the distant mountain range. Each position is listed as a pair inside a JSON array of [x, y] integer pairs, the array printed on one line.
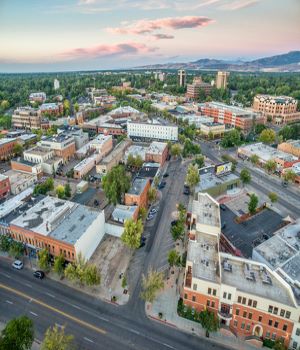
[[288, 62]]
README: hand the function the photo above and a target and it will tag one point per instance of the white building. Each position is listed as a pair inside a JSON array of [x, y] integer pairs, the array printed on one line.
[[152, 130], [56, 84]]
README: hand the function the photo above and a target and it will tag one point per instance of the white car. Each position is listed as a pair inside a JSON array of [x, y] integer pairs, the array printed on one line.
[[17, 265]]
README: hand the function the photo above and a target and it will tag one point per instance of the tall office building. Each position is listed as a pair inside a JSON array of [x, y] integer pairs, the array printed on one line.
[[221, 80], [56, 84], [181, 77]]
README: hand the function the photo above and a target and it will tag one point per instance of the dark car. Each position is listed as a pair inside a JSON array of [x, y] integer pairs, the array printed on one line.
[[162, 185], [223, 207], [186, 191], [174, 222], [96, 202], [143, 243], [166, 175], [39, 274]]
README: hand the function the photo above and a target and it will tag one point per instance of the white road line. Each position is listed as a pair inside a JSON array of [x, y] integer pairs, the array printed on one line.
[[28, 285], [87, 339], [168, 346], [77, 307], [9, 302], [6, 275], [50, 295], [134, 331], [59, 325], [33, 313]]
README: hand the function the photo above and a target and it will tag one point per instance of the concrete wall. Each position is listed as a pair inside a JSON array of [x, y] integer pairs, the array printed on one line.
[[114, 229]]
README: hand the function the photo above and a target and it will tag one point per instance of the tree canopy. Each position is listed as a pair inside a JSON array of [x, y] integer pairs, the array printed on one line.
[[56, 339], [151, 285], [132, 233], [192, 177]]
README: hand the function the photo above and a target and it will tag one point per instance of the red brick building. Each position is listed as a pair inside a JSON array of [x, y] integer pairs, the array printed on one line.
[[4, 186], [138, 193], [157, 153], [7, 148]]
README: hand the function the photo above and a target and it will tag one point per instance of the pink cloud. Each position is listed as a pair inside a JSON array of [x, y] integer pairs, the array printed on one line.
[[105, 50], [146, 26]]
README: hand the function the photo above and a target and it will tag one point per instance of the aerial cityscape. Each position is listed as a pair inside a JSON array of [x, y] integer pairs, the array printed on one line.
[[149, 175]]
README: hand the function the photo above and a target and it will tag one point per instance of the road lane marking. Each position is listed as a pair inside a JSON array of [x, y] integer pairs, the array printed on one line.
[[77, 307], [50, 295], [168, 346], [28, 285], [5, 274], [33, 313], [49, 307], [134, 331], [9, 302], [89, 340]]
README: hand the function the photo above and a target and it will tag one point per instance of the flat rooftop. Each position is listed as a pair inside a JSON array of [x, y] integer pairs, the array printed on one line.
[[157, 147], [206, 210], [203, 253], [121, 147], [266, 152], [135, 151], [100, 139], [10, 204], [236, 110], [16, 177], [5, 140], [138, 186], [123, 212], [252, 277], [38, 150], [209, 180]]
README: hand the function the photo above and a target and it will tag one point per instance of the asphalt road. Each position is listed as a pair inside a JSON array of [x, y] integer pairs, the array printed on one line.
[[96, 324]]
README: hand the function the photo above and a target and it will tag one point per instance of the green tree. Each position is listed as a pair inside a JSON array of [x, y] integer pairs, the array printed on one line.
[[70, 272], [66, 107], [132, 233], [273, 197], [156, 181], [289, 175], [16, 249], [259, 128], [18, 149], [252, 205], [59, 262], [44, 187], [56, 339], [142, 213], [136, 162], [44, 259], [68, 191], [76, 107], [210, 135], [5, 242], [18, 334], [173, 258], [151, 285], [270, 166], [91, 275], [115, 184], [192, 177], [279, 345], [4, 105], [176, 150], [254, 159], [152, 194], [199, 161], [209, 321], [267, 136], [177, 230], [245, 176], [60, 191], [231, 138]]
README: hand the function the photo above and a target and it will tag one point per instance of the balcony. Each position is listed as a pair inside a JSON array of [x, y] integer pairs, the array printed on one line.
[[224, 315]]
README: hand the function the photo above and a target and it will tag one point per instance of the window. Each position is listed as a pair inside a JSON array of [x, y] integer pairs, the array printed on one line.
[[295, 344], [275, 324], [208, 303], [284, 328], [297, 331], [239, 299], [282, 312], [267, 334], [235, 323], [250, 315], [209, 291], [259, 318], [224, 295], [243, 325], [250, 302], [193, 298], [212, 304], [270, 308], [194, 286], [248, 327], [273, 336], [287, 314], [237, 312], [229, 296], [270, 322], [185, 296], [275, 312], [244, 301], [214, 292], [245, 314], [254, 303]]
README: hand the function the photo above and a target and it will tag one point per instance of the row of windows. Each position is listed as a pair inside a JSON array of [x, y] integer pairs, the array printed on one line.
[[283, 313], [243, 300], [211, 291]]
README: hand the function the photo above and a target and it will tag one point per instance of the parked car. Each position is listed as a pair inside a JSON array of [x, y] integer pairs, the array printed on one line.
[[150, 217], [166, 175], [17, 264], [284, 183], [223, 225], [186, 191], [39, 274], [223, 207], [174, 222], [96, 202], [153, 211]]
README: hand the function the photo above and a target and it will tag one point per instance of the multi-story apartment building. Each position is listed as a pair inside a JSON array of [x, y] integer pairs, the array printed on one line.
[[221, 80], [4, 186], [193, 90], [45, 157], [157, 153], [37, 97], [54, 109], [7, 148], [154, 130], [214, 129], [26, 118], [181, 77], [102, 144], [281, 109], [62, 145], [248, 297], [230, 115]]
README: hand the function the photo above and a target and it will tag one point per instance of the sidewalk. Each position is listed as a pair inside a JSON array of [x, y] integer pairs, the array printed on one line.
[[166, 304]]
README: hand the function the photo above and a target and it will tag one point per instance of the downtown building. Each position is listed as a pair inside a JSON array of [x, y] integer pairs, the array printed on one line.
[[193, 90], [26, 118], [152, 131], [233, 116], [251, 300]]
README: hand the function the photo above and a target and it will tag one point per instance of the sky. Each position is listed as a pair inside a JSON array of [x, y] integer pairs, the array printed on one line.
[[65, 35]]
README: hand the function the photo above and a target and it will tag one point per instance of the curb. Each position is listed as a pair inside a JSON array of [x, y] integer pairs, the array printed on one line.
[[161, 321]]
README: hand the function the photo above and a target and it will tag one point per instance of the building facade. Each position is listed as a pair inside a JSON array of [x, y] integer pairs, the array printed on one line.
[[221, 80], [7, 148], [157, 152], [138, 193], [149, 131], [181, 77], [4, 186], [62, 145], [291, 147], [26, 118], [193, 90]]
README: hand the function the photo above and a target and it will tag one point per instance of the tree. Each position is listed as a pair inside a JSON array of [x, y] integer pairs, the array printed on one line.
[[192, 177], [68, 191], [44, 187], [176, 150], [289, 175], [60, 191], [259, 128], [91, 275], [199, 161], [59, 263], [210, 135], [254, 159], [156, 181], [18, 334], [4, 105], [267, 136], [273, 197], [151, 285], [279, 345], [252, 205], [142, 213], [115, 184], [132, 233], [173, 258], [76, 107], [56, 339], [231, 138], [270, 166], [17, 149], [177, 230], [245, 176], [5, 242], [209, 321], [44, 259], [66, 105], [16, 249], [136, 162], [152, 194], [70, 272]]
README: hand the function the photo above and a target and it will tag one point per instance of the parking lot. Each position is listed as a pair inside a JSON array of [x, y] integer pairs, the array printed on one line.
[[246, 235]]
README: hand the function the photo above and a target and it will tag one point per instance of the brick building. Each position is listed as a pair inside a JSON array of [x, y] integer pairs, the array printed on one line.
[[157, 153], [138, 193], [250, 299], [7, 148], [26, 118], [291, 147], [193, 90], [4, 186], [53, 109]]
